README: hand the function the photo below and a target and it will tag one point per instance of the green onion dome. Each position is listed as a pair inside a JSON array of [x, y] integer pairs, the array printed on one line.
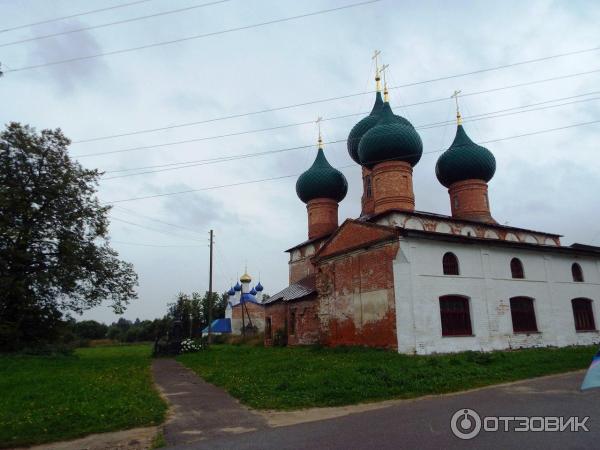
[[362, 127], [321, 180], [465, 160], [392, 139]]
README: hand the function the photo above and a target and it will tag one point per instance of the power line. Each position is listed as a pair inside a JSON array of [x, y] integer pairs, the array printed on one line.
[[325, 100], [151, 229], [477, 117], [155, 245], [341, 167], [118, 22], [137, 214], [278, 127], [190, 38], [73, 15]]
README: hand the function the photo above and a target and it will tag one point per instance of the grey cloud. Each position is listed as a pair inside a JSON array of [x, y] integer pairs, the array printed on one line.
[[69, 76]]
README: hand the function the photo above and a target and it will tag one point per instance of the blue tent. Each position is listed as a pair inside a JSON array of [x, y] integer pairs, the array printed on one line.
[[219, 326], [592, 378]]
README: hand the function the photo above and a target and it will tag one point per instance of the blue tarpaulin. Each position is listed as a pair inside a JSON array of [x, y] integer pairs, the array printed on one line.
[[592, 378], [219, 326]]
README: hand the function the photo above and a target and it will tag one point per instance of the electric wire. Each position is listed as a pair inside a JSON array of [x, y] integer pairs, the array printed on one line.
[[190, 38], [118, 22], [466, 119], [324, 100], [241, 183], [152, 229], [4, 30]]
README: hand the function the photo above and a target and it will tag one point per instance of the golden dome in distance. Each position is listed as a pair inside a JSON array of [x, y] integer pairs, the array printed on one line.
[[245, 278]]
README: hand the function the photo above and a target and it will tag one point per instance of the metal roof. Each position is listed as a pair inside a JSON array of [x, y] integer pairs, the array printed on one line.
[[296, 291]]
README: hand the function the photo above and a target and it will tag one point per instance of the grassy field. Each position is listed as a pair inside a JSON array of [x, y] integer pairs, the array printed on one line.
[[45, 399], [292, 378]]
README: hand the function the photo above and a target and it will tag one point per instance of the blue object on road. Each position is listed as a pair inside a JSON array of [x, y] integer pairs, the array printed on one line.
[[592, 378]]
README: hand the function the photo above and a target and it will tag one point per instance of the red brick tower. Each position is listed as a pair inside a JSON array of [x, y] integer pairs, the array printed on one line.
[[321, 187], [465, 169], [390, 150]]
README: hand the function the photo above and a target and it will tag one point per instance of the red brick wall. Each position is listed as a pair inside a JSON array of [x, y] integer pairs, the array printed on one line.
[[306, 324], [256, 312], [393, 186], [469, 200], [367, 202], [322, 217], [356, 298], [300, 269]]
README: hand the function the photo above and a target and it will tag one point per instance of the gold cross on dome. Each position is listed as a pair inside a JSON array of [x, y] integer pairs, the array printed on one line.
[[385, 90], [318, 122], [455, 97], [375, 57]]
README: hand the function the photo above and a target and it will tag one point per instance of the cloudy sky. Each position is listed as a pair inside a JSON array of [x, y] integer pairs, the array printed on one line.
[[546, 181]]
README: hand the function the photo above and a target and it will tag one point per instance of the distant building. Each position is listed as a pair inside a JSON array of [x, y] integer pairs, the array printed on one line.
[[421, 282], [244, 306]]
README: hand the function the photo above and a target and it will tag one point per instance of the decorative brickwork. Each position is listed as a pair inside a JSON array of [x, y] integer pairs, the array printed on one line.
[[393, 186], [322, 217], [469, 200]]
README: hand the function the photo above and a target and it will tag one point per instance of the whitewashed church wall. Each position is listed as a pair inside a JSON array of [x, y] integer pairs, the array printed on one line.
[[485, 278]]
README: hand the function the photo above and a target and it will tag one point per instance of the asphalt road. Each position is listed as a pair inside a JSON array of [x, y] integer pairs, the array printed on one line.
[[425, 423]]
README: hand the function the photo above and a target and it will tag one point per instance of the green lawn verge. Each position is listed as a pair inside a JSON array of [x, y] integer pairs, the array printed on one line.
[[45, 399], [292, 378]]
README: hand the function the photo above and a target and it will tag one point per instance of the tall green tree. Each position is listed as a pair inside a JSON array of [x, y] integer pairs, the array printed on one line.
[[55, 255]]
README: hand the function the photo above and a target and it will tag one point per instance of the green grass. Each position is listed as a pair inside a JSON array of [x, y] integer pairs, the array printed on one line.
[[45, 399], [292, 378]]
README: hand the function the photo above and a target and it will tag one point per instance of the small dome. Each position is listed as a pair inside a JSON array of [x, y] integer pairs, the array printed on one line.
[[237, 287], [321, 180], [231, 292], [252, 291], [392, 139], [364, 125], [465, 160], [259, 287], [245, 278]]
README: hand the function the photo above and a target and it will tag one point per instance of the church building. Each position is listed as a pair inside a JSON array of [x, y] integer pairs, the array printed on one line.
[[421, 282], [244, 310]]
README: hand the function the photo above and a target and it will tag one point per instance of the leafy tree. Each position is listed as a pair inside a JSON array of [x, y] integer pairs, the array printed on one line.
[[90, 329], [192, 310], [54, 252]]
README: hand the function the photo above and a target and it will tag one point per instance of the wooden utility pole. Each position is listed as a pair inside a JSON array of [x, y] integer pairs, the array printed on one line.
[[210, 293]]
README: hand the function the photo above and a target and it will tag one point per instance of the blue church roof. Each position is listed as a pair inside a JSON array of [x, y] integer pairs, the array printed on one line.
[[253, 291], [259, 287], [219, 326], [248, 297], [231, 291], [237, 287]]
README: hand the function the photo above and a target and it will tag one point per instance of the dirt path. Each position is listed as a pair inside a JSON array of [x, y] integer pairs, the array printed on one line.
[[134, 439], [199, 410]]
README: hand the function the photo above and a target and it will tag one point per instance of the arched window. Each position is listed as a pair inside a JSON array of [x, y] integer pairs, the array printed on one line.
[[583, 314], [450, 264], [577, 272], [523, 315], [455, 315], [368, 187], [516, 268]]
